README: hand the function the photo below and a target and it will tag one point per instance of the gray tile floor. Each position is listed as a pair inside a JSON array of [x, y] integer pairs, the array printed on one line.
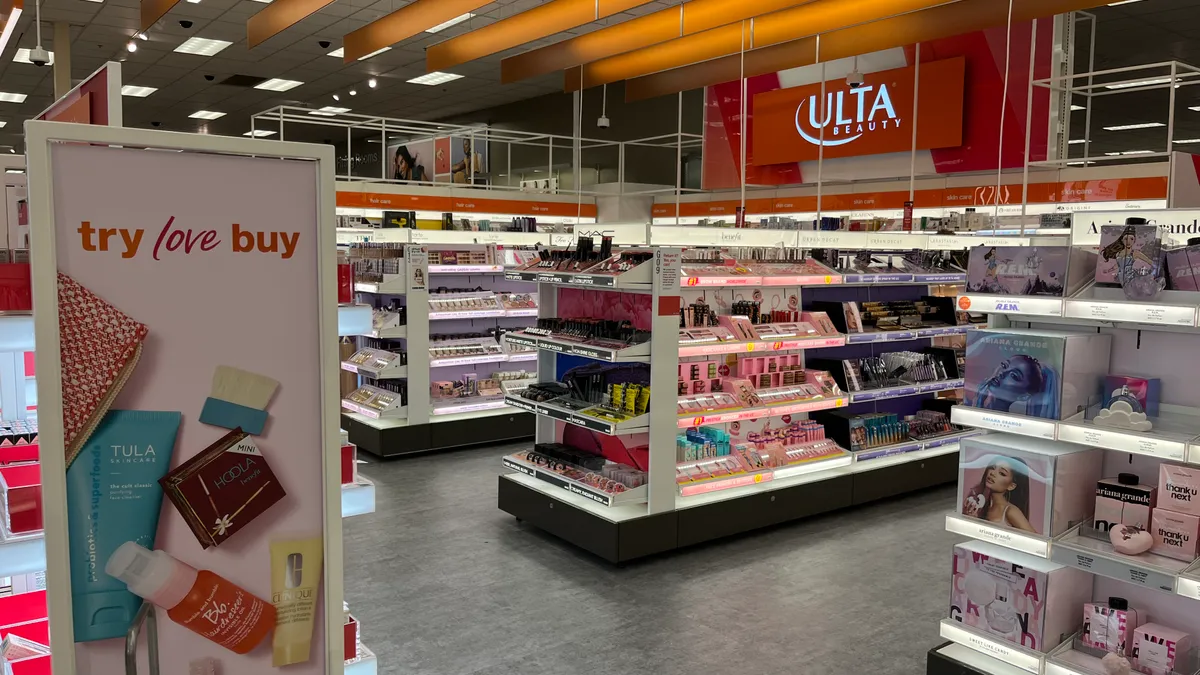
[[447, 584]]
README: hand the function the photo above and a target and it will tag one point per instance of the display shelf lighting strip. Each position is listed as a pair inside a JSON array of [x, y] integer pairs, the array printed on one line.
[[996, 648], [1002, 536]]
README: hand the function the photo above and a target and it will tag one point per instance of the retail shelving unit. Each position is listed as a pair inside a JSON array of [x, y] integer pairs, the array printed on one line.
[[375, 418], [664, 514], [1155, 339]]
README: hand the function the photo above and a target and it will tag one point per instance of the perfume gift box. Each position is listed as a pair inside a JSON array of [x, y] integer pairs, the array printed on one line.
[[1179, 488], [1126, 248], [1040, 373], [1027, 484], [20, 500], [1145, 392], [1159, 649], [1175, 534], [1016, 597], [1019, 270], [1123, 501]]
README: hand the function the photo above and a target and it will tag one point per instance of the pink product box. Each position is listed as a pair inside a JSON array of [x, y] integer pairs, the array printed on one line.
[[1123, 501], [766, 372], [699, 377], [1158, 649], [1022, 599], [820, 321], [1179, 489], [1174, 534], [1180, 269], [1110, 629]]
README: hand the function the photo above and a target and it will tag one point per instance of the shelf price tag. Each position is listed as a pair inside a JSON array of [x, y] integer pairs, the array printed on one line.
[[985, 531], [1166, 315], [1113, 568], [996, 421]]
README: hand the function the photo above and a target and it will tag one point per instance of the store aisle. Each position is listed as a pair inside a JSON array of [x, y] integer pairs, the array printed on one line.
[[446, 584]]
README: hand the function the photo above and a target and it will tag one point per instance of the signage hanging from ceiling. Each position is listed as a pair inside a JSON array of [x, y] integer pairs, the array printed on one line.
[[791, 125]]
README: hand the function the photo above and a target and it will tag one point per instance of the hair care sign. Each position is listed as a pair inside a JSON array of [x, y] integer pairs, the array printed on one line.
[[189, 299], [793, 125]]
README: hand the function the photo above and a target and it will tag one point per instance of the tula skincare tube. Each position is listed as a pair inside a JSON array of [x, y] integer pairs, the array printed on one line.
[[113, 496], [295, 579]]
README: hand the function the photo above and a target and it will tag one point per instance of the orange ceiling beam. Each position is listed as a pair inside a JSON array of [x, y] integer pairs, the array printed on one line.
[[153, 10], [541, 21], [412, 19], [667, 24], [964, 16], [769, 29], [269, 22]]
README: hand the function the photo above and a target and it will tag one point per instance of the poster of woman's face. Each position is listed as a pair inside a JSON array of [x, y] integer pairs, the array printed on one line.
[[411, 161], [1010, 489]]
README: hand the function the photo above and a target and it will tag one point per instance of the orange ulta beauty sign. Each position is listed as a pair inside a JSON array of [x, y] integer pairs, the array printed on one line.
[[791, 125]]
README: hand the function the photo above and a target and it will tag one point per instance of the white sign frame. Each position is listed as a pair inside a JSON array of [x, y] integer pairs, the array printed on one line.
[[39, 138]]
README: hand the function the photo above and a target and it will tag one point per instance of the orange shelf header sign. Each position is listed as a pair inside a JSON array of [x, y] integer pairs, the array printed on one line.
[[519, 207]]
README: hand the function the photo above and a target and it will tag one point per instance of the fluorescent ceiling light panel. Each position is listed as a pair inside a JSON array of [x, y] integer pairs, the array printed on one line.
[[134, 90], [1128, 152], [452, 22], [22, 56], [7, 97], [1139, 83], [2, 125], [1077, 107], [276, 84], [1130, 127], [329, 111], [1123, 2], [1194, 107], [341, 51], [434, 78], [202, 46], [259, 133], [1077, 141], [207, 115], [1188, 140]]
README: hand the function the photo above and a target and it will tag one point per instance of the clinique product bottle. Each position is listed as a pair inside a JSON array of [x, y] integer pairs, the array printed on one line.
[[199, 600]]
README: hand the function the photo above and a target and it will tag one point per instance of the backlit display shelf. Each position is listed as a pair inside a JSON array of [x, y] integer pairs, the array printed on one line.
[[758, 412], [635, 495], [1090, 550], [1026, 660], [1007, 537], [377, 364], [582, 415], [903, 390], [601, 350]]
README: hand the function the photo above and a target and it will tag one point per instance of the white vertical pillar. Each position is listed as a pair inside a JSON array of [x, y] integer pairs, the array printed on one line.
[[416, 298], [664, 373]]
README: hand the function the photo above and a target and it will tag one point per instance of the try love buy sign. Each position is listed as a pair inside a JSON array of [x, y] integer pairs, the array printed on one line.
[[180, 239]]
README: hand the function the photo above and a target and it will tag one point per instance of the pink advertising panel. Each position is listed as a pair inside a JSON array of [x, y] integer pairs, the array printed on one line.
[[194, 352]]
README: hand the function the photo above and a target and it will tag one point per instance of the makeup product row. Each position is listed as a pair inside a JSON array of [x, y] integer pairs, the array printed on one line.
[[470, 386], [480, 256], [584, 256], [464, 348], [886, 370], [874, 430], [475, 301], [373, 271], [731, 393], [705, 455], [598, 331], [375, 250], [853, 317], [1116, 627], [374, 358], [517, 224], [590, 469], [380, 395]]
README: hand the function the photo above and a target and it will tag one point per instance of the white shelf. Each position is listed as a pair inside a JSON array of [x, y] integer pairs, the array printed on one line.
[[1003, 536], [949, 443], [978, 661], [1006, 652], [615, 514], [359, 498], [637, 279], [631, 496], [466, 269], [22, 557], [903, 390], [1094, 305], [1011, 304], [469, 407], [1098, 557], [1164, 442], [634, 425], [352, 320], [365, 664], [504, 409], [739, 414], [711, 348], [900, 335], [394, 333], [639, 352], [378, 423], [392, 284]]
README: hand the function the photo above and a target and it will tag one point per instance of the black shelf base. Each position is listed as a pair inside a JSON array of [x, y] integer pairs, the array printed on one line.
[[431, 437], [937, 663], [620, 542]]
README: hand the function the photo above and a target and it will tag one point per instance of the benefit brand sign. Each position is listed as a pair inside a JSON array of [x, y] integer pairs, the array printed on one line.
[[791, 125]]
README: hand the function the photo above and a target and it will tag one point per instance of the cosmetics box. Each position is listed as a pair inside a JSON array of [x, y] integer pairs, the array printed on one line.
[[16, 290], [1123, 501], [1126, 247], [1020, 270], [350, 638], [20, 500], [18, 454], [223, 489], [20, 610], [1158, 649], [1179, 488], [1030, 484], [1109, 625], [1040, 373], [1175, 534], [1016, 597], [345, 280], [349, 463], [1180, 276], [22, 583]]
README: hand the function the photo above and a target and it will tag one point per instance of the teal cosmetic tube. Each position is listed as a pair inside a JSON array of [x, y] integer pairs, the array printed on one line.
[[113, 496]]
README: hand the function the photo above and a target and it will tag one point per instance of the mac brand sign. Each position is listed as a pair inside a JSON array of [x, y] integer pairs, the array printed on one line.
[[800, 123]]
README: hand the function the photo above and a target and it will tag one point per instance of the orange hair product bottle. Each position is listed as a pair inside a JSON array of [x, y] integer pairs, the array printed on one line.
[[201, 601]]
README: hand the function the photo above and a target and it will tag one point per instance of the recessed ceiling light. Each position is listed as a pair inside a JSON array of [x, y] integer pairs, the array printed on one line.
[[336, 97], [202, 46], [265, 2], [436, 77], [22, 56], [141, 36], [353, 93], [6, 97], [1130, 127], [194, 2], [259, 133], [1188, 140], [276, 84], [459, 19], [1077, 141], [329, 111], [1139, 83], [207, 115], [1194, 107], [14, 171], [134, 90], [1128, 152], [131, 46], [1077, 107], [3, 124], [372, 83], [340, 52]]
